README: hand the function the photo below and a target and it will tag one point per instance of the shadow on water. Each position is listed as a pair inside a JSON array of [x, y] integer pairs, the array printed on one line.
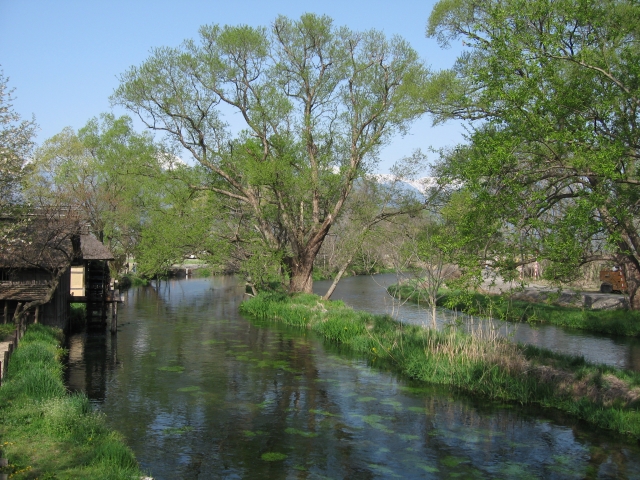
[[200, 392]]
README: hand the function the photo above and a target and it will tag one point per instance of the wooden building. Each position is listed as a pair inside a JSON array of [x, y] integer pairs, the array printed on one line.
[[37, 265]]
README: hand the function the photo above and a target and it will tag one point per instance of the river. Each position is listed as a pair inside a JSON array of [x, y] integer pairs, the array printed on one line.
[[199, 392], [369, 293]]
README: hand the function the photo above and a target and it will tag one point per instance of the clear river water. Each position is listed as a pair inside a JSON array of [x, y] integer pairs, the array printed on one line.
[[199, 392]]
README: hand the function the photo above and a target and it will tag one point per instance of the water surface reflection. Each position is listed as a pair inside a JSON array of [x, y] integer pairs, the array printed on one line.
[[200, 392]]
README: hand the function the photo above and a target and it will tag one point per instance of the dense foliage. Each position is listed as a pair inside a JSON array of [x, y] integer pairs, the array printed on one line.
[[315, 102], [552, 92]]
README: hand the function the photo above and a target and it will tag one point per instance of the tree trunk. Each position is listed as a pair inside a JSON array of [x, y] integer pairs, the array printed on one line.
[[434, 324], [301, 270], [632, 275], [301, 266], [337, 279]]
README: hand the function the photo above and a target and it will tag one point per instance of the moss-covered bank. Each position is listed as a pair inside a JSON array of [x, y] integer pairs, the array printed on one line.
[[612, 322], [477, 364], [45, 432]]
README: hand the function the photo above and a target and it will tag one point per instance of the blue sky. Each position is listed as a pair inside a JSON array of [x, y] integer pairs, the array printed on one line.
[[64, 57]]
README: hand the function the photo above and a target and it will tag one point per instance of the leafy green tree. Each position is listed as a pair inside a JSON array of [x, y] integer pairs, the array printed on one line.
[[16, 145], [106, 171], [552, 94], [316, 103]]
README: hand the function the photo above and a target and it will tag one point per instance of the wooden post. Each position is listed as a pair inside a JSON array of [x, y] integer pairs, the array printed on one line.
[[114, 311], [6, 311], [17, 311], [37, 314]]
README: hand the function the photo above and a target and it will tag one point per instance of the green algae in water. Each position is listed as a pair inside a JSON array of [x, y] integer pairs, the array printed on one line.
[[177, 430], [273, 456], [194, 388], [212, 342], [516, 470], [249, 433], [417, 390], [427, 468], [383, 470], [374, 422], [394, 403], [366, 399], [174, 368], [302, 433], [264, 404], [407, 437], [417, 409], [451, 461], [153, 354], [564, 465], [242, 357], [323, 412]]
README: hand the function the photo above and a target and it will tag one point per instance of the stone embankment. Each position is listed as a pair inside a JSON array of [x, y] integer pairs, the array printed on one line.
[[538, 293]]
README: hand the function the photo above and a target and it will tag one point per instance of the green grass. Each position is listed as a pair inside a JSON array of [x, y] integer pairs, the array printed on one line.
[[132, 280], [6, 330], [612, 322], [77, 316], [479, 364], [46, 432]]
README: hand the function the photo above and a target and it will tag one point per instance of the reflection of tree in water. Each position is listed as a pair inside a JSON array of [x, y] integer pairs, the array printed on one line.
[[250, 388]]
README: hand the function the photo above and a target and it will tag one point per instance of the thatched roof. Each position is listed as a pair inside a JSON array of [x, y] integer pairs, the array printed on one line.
[[40, 243], [23, 292], [93, 249], [49, 242]]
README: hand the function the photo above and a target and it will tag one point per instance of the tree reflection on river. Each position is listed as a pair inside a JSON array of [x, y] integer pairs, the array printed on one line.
[[200, 392]]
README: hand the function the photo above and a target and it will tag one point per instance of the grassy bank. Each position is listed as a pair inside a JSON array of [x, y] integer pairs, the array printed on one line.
[[612, 322], [476, 364], [46, 432]]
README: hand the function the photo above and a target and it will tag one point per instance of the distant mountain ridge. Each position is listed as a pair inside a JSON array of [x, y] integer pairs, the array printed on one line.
[[421, 185]]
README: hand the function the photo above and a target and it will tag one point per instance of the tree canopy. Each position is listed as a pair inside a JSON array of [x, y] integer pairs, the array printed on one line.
[[282, 120], [16, 145], [552, 91], [117, 180]]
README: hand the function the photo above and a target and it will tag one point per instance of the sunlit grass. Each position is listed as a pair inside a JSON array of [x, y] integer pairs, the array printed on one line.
[[502, 307], [480, 363], [48, 433]]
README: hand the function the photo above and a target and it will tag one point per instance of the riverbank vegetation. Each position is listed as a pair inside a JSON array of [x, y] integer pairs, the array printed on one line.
[[502, 307], [479, 364], [45, 432]]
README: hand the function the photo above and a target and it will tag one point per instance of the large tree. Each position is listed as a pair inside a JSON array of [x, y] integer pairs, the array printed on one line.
[[552, 91], [314, 103]]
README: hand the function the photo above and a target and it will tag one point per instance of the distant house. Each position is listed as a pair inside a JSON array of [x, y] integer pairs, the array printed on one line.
[[37, 258]]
